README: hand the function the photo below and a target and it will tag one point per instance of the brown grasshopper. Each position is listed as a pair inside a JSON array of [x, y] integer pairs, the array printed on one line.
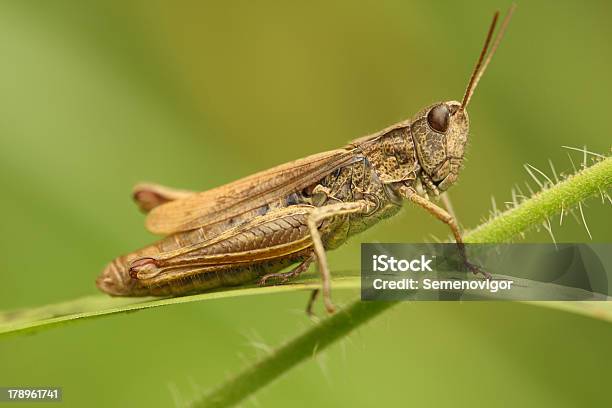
[[255, 227]]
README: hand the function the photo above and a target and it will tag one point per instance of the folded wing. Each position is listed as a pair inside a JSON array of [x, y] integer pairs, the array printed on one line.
[[245, 195]]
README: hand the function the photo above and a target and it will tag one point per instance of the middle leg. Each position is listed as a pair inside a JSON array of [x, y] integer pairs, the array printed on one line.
[[316, 217]]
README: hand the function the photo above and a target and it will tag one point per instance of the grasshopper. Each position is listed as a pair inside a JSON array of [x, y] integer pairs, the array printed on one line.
[[255, 227]]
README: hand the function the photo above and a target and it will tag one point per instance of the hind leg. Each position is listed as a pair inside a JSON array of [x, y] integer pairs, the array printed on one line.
[[294, 273]]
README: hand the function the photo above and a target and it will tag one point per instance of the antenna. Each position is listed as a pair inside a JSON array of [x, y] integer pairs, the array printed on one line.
[[480, 67]]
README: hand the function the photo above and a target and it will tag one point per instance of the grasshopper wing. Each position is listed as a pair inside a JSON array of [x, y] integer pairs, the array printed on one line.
[[243, 196]]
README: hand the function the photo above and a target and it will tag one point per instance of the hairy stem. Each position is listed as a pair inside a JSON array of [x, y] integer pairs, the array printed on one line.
[[564, 195], [292, 353], [505, 226]]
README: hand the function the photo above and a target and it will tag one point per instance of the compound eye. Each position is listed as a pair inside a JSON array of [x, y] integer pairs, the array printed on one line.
[[438, 118]]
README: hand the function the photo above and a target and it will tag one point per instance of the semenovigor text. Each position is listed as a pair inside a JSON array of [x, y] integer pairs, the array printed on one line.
[[385, 263]]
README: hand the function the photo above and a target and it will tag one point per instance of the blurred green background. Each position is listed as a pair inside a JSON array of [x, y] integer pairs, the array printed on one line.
[[96, 96]]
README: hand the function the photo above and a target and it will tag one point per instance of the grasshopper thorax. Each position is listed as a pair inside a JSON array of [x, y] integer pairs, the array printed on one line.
[[440, 133]]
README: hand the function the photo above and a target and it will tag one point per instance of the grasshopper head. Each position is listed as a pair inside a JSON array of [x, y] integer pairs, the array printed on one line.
[[440, 134], [440, 131]]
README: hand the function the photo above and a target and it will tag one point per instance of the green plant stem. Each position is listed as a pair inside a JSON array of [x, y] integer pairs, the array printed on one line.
[[505, 226], [94, 306], [563, 195], [293, 352]]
